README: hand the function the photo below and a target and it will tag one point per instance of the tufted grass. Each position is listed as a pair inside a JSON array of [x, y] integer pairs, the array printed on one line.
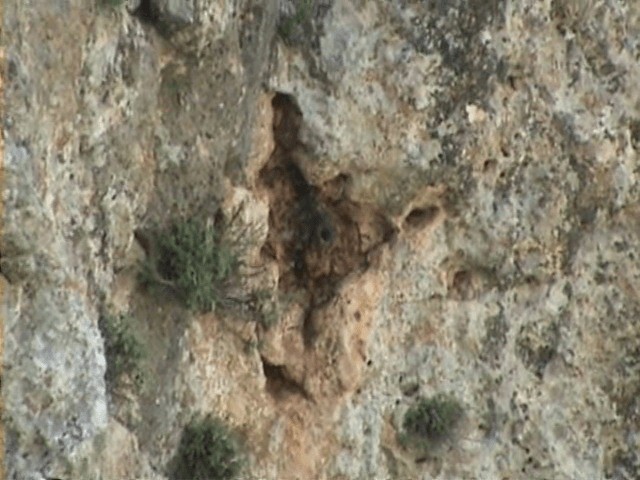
[[193, 259], [430, 420], [123, 350], [208, 450]]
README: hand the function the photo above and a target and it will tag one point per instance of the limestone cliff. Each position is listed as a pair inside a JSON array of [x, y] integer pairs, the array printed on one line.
[[433, 197]]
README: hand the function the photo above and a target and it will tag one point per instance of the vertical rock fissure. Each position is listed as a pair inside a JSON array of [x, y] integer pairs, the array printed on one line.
[[314, 234]]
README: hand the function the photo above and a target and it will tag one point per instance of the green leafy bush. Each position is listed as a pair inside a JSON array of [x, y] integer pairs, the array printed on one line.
[[193, 259], [431, 420], [208, 450], [123, 350]]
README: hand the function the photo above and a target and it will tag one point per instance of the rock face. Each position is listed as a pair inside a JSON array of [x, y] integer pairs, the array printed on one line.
[[443, 197]]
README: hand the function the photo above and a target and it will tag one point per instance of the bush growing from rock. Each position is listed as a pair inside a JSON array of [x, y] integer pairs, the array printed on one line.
[[431, 420], [123, 350], [192, 258], [208, 450], [295, 22]]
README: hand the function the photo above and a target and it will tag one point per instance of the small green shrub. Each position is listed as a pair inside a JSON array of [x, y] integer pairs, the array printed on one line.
[[193, 259], [431, 420], [208, 450], [287, 26], [123, 351]]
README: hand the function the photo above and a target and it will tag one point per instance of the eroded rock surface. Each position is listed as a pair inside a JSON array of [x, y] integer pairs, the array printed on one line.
[[434, 197]]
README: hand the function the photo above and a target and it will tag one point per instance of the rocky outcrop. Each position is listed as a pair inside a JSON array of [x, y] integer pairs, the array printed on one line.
[[431, 197]]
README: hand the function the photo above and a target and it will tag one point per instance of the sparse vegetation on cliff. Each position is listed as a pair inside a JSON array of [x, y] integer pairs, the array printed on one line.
[[123, 351], [301, 13], [430, 420], [193, 259], [208, 450]]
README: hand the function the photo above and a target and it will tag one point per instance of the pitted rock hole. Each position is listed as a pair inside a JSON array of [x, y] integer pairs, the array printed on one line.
[[165, 16], [147, 12], [419, 218], [317, 234], [279, 383]]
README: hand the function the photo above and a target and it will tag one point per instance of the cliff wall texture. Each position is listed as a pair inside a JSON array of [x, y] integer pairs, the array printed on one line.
[[426, 199]]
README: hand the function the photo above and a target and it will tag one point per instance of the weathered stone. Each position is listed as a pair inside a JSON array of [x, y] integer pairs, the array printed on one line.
[[452, 205]]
